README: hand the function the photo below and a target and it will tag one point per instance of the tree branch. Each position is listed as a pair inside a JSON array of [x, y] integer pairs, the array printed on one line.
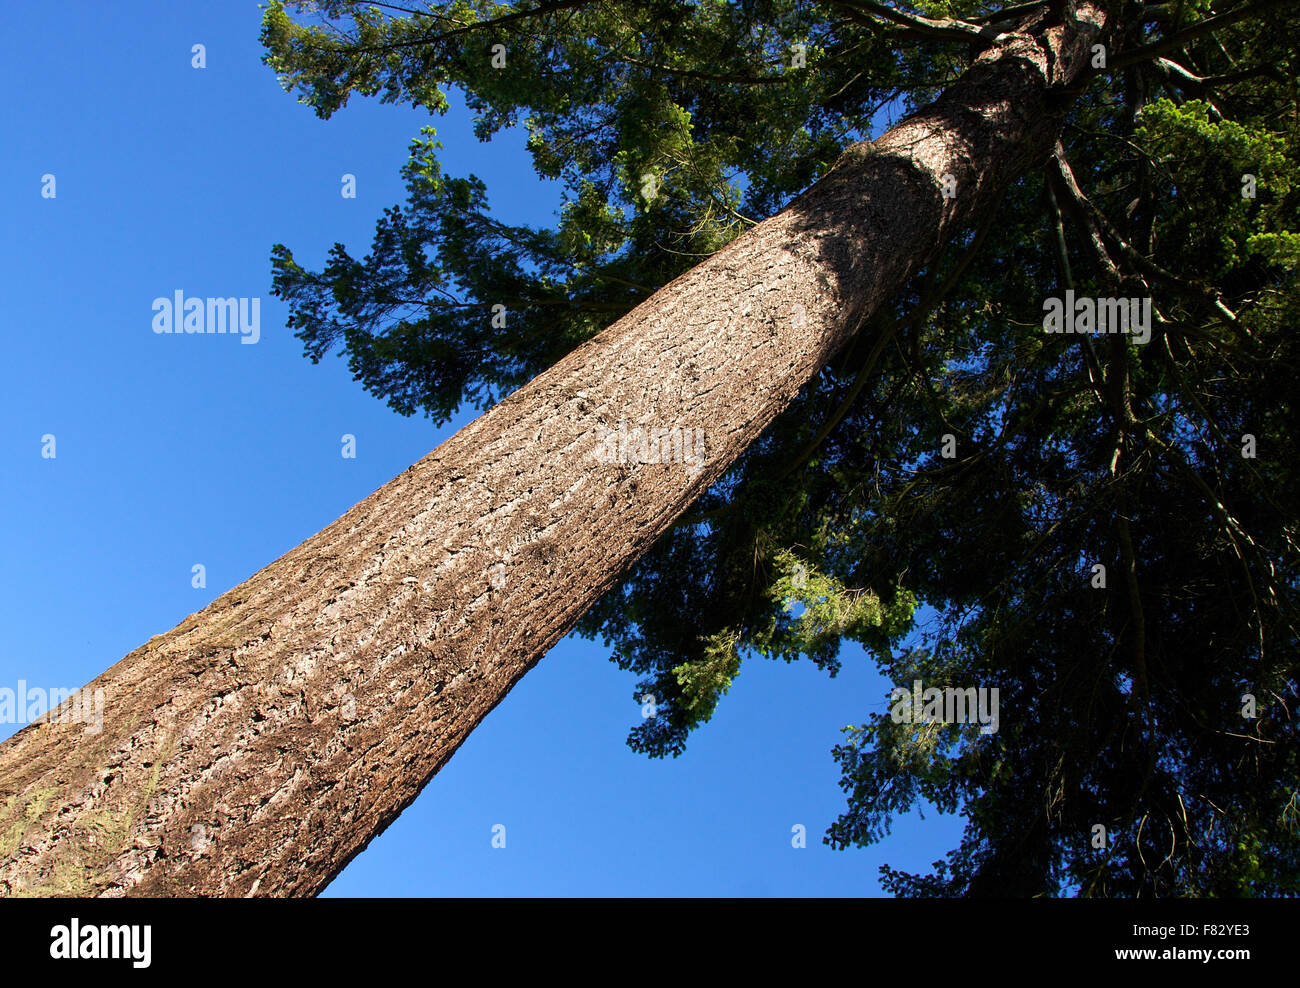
[[1180, 38], [1008, 13], [546, 8], [1191, 287], [947, 29], [707, 76]]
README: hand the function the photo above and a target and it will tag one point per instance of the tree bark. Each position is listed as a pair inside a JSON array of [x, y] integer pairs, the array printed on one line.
[[260, 745]]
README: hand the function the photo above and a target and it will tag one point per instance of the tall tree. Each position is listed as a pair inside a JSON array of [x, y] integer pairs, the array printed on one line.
[[885, 420]]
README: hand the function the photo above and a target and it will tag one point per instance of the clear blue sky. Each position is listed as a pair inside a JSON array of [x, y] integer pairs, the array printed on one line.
[[173, 451]]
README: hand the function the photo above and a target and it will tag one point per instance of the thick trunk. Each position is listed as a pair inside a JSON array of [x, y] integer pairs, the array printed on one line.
[[260, 745]]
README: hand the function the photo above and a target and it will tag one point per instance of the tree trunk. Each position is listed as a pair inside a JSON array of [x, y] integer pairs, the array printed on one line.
[[261, 744]]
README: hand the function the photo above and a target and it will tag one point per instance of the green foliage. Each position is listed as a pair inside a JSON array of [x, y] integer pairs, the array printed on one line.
[[1121, 705], [703, 683], [1196, 159], [819, 611]]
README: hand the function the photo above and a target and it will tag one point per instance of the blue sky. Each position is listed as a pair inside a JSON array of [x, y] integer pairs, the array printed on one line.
[[173, 451]]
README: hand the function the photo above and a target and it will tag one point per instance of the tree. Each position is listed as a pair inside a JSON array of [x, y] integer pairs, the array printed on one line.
[[832, 354]]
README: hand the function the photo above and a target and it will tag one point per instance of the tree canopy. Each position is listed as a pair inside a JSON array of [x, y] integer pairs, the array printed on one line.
[[1104, 528]]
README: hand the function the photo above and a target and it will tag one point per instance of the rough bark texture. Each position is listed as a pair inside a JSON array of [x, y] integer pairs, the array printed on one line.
[[259, 746]]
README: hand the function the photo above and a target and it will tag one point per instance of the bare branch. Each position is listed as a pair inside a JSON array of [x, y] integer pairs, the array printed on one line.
[[1063, 175], [1187, 80], [947, 29], [1188, 286], [1008, 13]]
